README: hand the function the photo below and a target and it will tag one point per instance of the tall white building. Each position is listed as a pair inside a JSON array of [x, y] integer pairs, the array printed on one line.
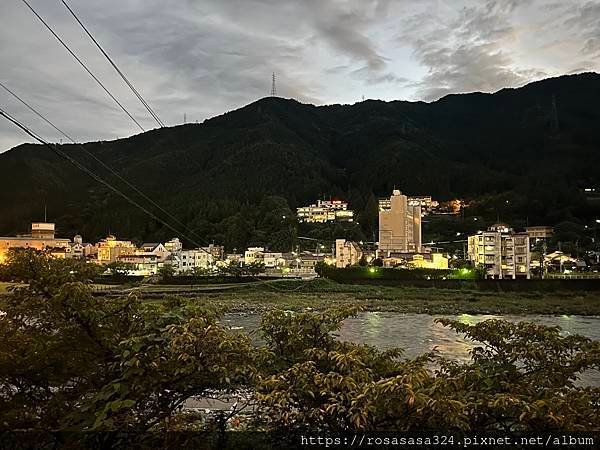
[[502, 253], [399, 225]]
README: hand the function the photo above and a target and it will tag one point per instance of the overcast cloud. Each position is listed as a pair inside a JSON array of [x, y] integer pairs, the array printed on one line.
[[205, 57]]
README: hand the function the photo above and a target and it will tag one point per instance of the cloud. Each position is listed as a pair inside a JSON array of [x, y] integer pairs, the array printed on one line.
[[585, 21], [469, 52], [203, 58]]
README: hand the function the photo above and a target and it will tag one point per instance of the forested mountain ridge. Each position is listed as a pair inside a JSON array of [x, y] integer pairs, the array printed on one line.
[[538, 144]]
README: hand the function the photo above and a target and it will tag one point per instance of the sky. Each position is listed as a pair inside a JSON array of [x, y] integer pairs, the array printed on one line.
[[203, 58]]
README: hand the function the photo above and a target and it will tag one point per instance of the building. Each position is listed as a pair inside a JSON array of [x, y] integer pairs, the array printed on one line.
[[558, 261], [539, 233], [326, 211], [190, 260], [429, 261], [302, 264], [450, 207], [198, 258], [174, 245], [42, 230], [501, 252], [253, 255], [141, 263], [111, 249], [426, 203], [258, 255], [155, 248], [347, 253], [411, 260], [272, 260], [41, 237], [399, 225]]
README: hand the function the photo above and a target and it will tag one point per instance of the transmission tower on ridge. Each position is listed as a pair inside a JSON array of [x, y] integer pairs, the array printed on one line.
[[273, 87]]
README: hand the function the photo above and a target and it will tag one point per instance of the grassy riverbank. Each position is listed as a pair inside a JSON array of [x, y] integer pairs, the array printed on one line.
[[322, 294]]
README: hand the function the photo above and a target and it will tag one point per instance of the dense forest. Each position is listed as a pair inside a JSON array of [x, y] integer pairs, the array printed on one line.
[[523, 155]]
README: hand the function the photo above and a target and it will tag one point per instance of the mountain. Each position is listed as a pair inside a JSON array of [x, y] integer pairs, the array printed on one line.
[[538, 145]]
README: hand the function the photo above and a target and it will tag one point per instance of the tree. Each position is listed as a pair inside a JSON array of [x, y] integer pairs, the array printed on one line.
[[166, 272], [119, 269], [70, 360], [521, 377], [198, 271], [234, 269]]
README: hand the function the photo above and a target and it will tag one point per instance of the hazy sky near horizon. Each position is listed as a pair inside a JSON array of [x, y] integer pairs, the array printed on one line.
[[206, 57]]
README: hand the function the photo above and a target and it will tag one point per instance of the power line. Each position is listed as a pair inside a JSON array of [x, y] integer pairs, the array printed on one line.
[[36, 112], [83, 65], [98, 160], [99, 179], [112, 63], [94, 176]]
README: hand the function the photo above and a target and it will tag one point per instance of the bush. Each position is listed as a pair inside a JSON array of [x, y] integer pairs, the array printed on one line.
[[73, 361]]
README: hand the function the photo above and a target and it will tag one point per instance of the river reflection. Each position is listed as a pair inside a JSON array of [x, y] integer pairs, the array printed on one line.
[[419, 333]]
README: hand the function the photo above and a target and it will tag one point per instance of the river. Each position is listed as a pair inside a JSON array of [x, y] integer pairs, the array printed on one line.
[[418, 333]]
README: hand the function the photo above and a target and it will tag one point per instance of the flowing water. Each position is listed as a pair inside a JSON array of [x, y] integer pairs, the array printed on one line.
[[418, 333]]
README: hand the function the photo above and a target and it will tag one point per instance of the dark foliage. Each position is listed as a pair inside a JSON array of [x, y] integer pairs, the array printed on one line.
[[237, 178]]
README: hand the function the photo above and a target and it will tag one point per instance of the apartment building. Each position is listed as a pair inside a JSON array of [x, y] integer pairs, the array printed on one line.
[[399, 225], [347, 253], [501, 252]]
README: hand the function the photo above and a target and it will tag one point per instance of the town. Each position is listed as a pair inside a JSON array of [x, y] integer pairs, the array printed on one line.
[[499, 251]]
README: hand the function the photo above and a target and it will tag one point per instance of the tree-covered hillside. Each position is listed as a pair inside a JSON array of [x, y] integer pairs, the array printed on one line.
[[233, 178]]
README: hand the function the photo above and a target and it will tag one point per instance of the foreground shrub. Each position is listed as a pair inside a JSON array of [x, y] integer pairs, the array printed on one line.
[[70, 360], [521, 377]]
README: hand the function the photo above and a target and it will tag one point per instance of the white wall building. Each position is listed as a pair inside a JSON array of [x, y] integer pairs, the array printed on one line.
[[188, 260], [347, 253], [502, 253]]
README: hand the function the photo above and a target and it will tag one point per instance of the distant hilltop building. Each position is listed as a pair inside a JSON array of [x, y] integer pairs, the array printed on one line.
[[326, 211], [501, 252], [399, 225], [426, 203]]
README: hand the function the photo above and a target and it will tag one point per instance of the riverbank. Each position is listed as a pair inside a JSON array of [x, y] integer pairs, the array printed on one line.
[[322, 294]]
